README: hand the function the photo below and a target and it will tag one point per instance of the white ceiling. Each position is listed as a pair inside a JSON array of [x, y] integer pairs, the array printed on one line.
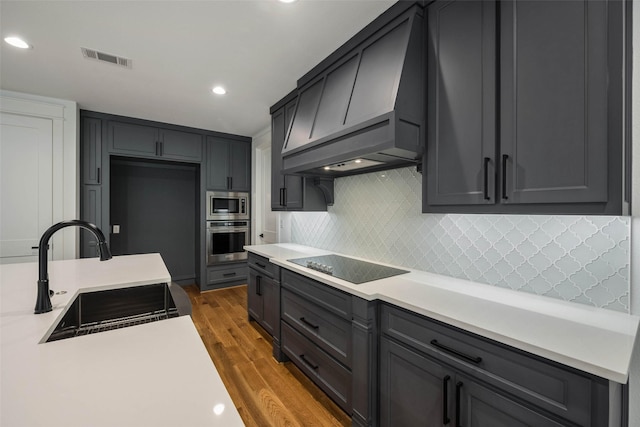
[[179, 50]]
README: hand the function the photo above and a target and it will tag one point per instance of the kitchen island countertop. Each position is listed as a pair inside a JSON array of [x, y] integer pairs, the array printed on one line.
[[152, 374], [591, 339]]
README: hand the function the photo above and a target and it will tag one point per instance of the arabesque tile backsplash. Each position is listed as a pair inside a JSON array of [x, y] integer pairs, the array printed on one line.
[[584, 259]]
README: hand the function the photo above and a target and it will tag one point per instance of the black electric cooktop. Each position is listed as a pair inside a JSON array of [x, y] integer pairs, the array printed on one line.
[[349, 269]]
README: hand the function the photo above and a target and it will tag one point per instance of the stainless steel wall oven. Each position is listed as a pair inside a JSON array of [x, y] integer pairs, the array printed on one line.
[[226, 240]]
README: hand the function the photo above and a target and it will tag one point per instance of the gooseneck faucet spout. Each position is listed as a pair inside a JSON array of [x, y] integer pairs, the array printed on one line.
[[43, 301]]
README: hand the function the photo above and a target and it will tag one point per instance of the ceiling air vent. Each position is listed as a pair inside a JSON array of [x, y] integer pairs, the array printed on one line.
[[105, 57]]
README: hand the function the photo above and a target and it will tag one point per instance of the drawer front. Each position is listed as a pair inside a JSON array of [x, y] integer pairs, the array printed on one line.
[[561, 391], [331, 299], [327, 373], [234, 272], [329, 331], [263, 265]]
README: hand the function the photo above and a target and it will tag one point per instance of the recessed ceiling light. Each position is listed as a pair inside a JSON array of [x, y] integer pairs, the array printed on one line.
[[327, 168], [288, 1], [358, 161], [219, 90], [17, 42]]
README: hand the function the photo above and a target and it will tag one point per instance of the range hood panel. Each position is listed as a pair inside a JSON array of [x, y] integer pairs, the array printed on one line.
[[366, 102]]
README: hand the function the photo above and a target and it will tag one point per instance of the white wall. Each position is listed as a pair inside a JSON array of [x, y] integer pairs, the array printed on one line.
[[65, 160]]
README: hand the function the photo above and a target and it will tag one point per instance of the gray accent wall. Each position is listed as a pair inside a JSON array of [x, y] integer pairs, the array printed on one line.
[[583, 259]]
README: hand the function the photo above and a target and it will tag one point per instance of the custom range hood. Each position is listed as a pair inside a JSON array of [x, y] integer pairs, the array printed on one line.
[[362, 109]]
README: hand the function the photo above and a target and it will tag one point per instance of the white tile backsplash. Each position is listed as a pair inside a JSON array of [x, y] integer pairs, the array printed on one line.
[[378, 216]]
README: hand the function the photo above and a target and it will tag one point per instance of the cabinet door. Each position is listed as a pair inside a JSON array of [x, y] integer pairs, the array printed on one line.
[[479, 406], [553, 101], [286, 190], [217, 164], [293, 184], [277, 141], [254, 295], [91, 150], [183, 146], [270, 304], [414, 390], [133, 140], [240, 166], [91, 212], [461, 140]]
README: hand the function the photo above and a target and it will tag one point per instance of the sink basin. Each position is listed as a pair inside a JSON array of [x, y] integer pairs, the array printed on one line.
[[100, 311]]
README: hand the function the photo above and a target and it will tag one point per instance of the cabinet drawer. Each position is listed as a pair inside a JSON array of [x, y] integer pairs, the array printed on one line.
[[331, 299], [263, 265], [559, 390], [327, 373], [329, 331], [231, 273]]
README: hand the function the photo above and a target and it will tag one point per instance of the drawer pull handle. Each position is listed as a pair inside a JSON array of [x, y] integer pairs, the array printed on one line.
[[261, 265], [459, 385], [229, 274], [455, 352], [309, 364], [445, 400], [309, 324]]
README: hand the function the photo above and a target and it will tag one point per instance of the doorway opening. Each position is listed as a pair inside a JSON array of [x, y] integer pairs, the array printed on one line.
[[154, 208]]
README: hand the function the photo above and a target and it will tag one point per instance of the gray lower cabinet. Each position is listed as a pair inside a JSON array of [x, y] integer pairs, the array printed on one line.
[[433, 374], [524, 107], [137, 140], [263, 297], [225, 275], [331, 336], [228, 164]]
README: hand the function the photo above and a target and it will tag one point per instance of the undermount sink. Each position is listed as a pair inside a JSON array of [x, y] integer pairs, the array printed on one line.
[[100, 311]]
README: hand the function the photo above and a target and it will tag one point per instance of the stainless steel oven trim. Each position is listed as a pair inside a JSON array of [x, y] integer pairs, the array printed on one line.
[[242, 198], [228, 257]]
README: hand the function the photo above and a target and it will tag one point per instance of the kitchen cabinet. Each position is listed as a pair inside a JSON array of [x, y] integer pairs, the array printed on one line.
[[431, 371], [225, 275], [91, 167], [263, 298], [228, 165], [535, 131], [316, 334], [91, 164], [293, 192], [137, 140]]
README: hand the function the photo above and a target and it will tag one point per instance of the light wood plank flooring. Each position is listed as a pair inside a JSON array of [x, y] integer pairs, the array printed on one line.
[[266, 393]]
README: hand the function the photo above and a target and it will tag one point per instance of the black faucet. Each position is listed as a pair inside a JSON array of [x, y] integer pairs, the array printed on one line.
[[43, 301]]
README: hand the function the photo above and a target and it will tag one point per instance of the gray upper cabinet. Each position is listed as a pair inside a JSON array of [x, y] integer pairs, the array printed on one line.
[[228, 164], [136, 140], [461, 148], [91, 150], [553, 101], [292, 192], [286, 190], [535, 131]]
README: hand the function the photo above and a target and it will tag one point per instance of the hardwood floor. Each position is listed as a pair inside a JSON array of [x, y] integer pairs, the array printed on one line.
[[266, 393]]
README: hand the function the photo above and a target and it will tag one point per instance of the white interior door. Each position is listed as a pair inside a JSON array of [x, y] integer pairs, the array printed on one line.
[[26, 185], [269, 218]]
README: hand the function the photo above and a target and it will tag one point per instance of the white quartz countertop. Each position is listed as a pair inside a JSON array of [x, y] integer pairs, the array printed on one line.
[[156, 374], [594, 340]]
